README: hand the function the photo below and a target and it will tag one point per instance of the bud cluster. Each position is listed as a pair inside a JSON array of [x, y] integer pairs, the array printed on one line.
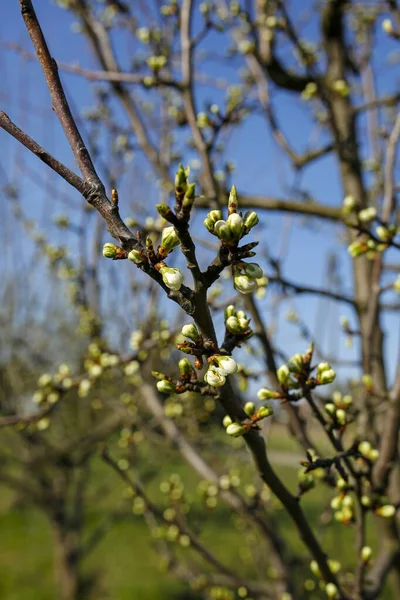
[[255, 414], [237, 323], [220, 366], [245, 277], [235, 227]]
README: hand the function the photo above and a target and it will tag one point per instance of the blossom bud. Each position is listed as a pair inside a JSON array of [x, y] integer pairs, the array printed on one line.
[[327, 376], [44, 380], [244, 324], [208, 224], [324, 366], [387, 511], [340, 415], [366, 553], [296, 363], [190, 331], [235, 429], [356, 249], [364, 448], [235, 223], [230, 311], [232, 325], [264, 411], [266, 394], [315, 568], [226, 365], [233, 201], [165, 386], [172, 277], [349, 204], [222, 231], [185, 367], [250, 219], [387, 26], [226, 421], [330, 408], [367, 214], [110, 250], [136, 256], [169, 238], [253, 270], [244, 284], [249, 408], [212, 377], [283, 374], [331, 591], [215, 215]]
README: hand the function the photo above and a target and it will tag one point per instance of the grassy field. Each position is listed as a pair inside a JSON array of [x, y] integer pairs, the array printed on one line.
[[125, 561]]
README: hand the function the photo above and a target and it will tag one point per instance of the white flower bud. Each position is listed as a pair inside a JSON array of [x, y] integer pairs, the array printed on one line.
[[212, 377], [283, 374], [172, 278], [244, 284], [235, 429], [367, 214], [249, 408], [226, 365], [250, 219], [235, 223], [190, 331], [266, 394], [169, 238], [165, 386], [387, 511], [223, 231]]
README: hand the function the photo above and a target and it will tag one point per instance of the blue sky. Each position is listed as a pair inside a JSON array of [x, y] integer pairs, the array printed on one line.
[[260, 167]]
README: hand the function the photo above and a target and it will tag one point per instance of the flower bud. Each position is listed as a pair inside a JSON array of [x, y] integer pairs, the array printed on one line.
[[233, 201], [367, 214], [214, 216], [208, 224], [250, 219], [387, 26], [136, 256], [244, 324], [172, 278], [169, 238], [366, 554], [264, 411], [165, 386], [44, 380], [330, 408], [387, 511], [349, 204], [283, 374], [340, 415], [356, 249], [226, 365], [244, 284], [235, 429], [253, 270], [226, 421], [324, 366], [266, 394], [315, 568], [296, 363], [249, 408], [364, 448], [327, 377], [185, 367], [110, 250], [331, 591], [235, 223], [222, 231], [383, 233], [212, 377], [232, 325], [230, 311], [190, 331]]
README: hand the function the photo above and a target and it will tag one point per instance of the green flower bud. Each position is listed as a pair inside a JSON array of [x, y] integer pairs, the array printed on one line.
[[283, 374], [165, 386], [163, 210], [169, 238], [315, 568], [327, 376], [331, 591], [244, 284], [235, 223], [181, 178], [264, 411], [366, 501], [215, 215], [266, 394], [366, 554], [172, 278], [110, 250], [209, 224], [340, 415], [250, 219], [253, 270], [212, 377], [136, 256], [367, 214], [232, 325], [190, 331], [244, 324], [324, 366], [226, 421], [235, 429], [233, 201], [185, 367], [230, 311], [387, 511], [249, 408], [357, 249], [387, 26], [334, 566], [383, 233], [330, 408], [222, 231], [349, 204], [296, 363], [364, 448]]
